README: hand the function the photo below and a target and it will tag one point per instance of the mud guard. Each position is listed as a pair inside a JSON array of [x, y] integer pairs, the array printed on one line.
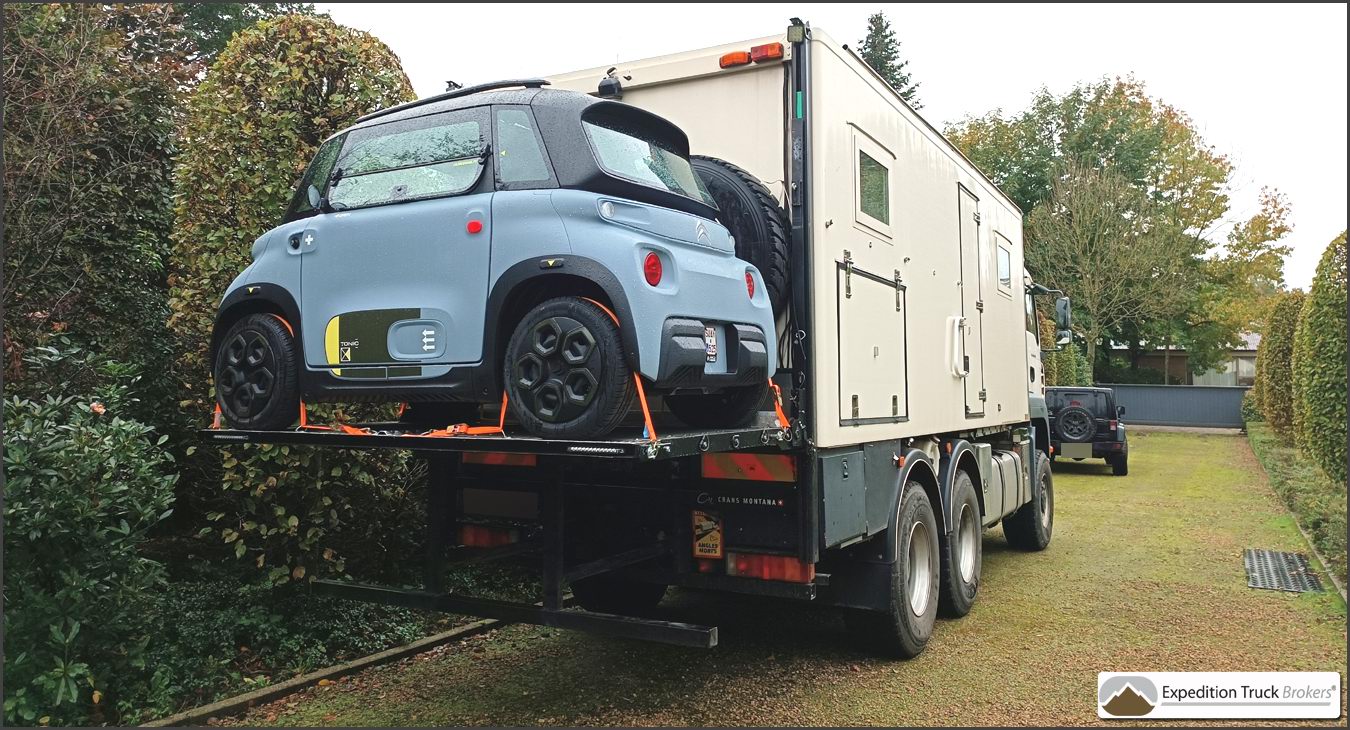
[[947, 474]]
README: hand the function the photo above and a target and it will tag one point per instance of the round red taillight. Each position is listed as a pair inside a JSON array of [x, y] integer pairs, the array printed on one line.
[[750, 284], [651, 268]]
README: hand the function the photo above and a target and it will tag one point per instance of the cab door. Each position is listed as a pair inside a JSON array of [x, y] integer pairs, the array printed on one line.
[[394, 275]]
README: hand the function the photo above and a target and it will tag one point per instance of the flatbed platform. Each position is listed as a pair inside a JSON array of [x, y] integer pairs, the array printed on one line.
[[668, 445]]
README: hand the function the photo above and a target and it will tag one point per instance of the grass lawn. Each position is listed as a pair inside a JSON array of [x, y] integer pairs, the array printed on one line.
[[1144, 573]]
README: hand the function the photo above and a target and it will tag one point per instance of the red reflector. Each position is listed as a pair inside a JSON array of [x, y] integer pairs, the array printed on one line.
[[1112, 424], [750, 284], [498, 458], [483, 536], [770, 567], [474, 227], [735, 58], [751, 467], [651, 269], [766, 52]]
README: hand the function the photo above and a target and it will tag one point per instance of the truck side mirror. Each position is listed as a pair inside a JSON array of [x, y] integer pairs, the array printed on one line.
[[1063, 315]]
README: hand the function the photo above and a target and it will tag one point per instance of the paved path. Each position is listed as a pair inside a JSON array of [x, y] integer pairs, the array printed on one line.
[[1145, 573]]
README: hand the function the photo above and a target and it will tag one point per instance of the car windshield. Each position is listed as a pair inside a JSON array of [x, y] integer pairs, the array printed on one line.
[[639, 155], [1096, 403]]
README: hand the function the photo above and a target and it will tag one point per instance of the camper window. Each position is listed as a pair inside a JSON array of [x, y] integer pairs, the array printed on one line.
[[874, 188], [1004, 268]]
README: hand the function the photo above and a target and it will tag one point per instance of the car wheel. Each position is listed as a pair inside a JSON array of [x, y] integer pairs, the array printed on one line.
[[1120, 465], [565, 372], [255, 374], [962, 550], [732, 408], [1031, 527], [1075, 424], [904, 628]]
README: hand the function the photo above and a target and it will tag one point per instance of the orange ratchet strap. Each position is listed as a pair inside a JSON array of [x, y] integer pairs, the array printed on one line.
[[783, 421], [642, 393]]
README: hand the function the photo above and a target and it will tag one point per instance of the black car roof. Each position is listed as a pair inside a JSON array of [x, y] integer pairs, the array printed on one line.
[[1079, 388], [533, 96]]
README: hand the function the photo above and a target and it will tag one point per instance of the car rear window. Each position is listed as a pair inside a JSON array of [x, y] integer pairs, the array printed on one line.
[[634, 153], [1096, 403]]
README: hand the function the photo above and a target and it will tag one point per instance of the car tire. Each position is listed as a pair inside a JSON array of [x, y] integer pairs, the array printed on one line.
[[256, 374], [1031, 527], [1075, 424], [962, 550], [904, 628], [1120, 465], [756, 221], [565, 372], [614, 594], [731, 408]]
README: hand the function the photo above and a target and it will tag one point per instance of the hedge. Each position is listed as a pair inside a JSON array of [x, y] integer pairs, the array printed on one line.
[[272, 96], [1273, 359], [1319, 365]]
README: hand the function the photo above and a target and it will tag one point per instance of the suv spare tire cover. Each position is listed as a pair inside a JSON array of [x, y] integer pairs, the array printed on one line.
[[758, 223], [1075, 424]]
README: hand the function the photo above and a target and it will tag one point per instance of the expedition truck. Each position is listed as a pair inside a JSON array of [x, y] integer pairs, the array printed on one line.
[[879, 296]]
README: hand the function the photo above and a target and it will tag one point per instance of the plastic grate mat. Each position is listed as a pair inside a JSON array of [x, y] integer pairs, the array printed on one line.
[[1277, 571]]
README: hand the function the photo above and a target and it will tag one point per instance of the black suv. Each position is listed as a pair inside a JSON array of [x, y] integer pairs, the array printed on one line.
[[1085, 423]]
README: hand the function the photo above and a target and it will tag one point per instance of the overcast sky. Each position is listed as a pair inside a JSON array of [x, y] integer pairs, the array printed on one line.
[[1265, 84]]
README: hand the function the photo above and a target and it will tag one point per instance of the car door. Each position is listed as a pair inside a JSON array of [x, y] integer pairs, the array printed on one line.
[[394, 274]]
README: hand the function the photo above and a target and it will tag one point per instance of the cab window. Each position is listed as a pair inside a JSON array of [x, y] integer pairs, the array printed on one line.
[[520, 157], [412, 159]]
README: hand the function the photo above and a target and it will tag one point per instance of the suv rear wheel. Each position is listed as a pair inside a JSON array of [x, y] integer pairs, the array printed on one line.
[[255, 372], [565, 372]]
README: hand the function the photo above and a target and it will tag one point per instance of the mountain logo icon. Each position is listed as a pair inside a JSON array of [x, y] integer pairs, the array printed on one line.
[[1127, 696]]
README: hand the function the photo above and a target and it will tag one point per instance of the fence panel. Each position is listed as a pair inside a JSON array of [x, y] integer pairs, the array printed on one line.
[[1215, 406]]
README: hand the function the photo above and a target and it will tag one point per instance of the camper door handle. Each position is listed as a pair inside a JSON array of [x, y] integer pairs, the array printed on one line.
[[957, 369]]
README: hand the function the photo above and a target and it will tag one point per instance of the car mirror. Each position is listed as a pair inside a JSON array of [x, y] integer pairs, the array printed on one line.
[[315, 199], [1120, 410]]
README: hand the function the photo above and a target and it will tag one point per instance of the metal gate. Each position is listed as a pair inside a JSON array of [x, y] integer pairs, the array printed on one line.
[[1214, 406]]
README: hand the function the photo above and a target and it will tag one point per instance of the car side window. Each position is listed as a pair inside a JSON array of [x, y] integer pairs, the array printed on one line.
[[520, 157], [411, 159]]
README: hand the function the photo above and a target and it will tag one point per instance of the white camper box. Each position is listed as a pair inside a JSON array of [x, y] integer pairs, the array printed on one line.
[[917, 318]]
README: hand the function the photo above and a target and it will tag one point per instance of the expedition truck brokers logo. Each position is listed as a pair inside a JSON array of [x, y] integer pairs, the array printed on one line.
[[1220, 695]]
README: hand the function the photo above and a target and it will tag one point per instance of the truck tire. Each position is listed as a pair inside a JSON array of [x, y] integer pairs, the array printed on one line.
[[904, 628], [732, 408], [755, 219], [256, 374], [1120, 465], [1031, 527], [614, 594], [1075, 424], [565, 371], [962, 550]]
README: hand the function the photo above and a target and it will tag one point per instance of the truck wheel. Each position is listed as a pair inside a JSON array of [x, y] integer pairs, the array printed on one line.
[[904, 628], [614, 594], [962, 550], [255, 372], [565, 371], [755, 219], [1030, 527], [1120, 465], [732, 408]]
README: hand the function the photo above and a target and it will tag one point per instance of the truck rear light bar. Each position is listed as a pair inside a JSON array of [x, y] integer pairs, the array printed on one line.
[[770, 567], [757, 54]]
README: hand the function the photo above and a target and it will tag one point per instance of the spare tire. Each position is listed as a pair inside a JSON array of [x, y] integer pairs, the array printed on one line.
[[755, 219], [1075, 424]]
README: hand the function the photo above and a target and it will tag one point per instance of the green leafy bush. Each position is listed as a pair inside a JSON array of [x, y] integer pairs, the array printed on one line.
[[272, 96], [1319, 365], [1251, 411], [1273, 360], [88, 144], [84, 485]]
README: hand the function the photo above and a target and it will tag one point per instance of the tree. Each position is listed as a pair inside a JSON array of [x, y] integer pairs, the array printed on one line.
[[211, 25], [881, 50], [1097, 237], [1275, 383], [88, 148], [253, 123], [1319, 365]]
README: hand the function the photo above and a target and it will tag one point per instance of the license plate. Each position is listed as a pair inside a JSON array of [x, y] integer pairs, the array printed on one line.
[[707, 535], [710, 343], [1075, 451]]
